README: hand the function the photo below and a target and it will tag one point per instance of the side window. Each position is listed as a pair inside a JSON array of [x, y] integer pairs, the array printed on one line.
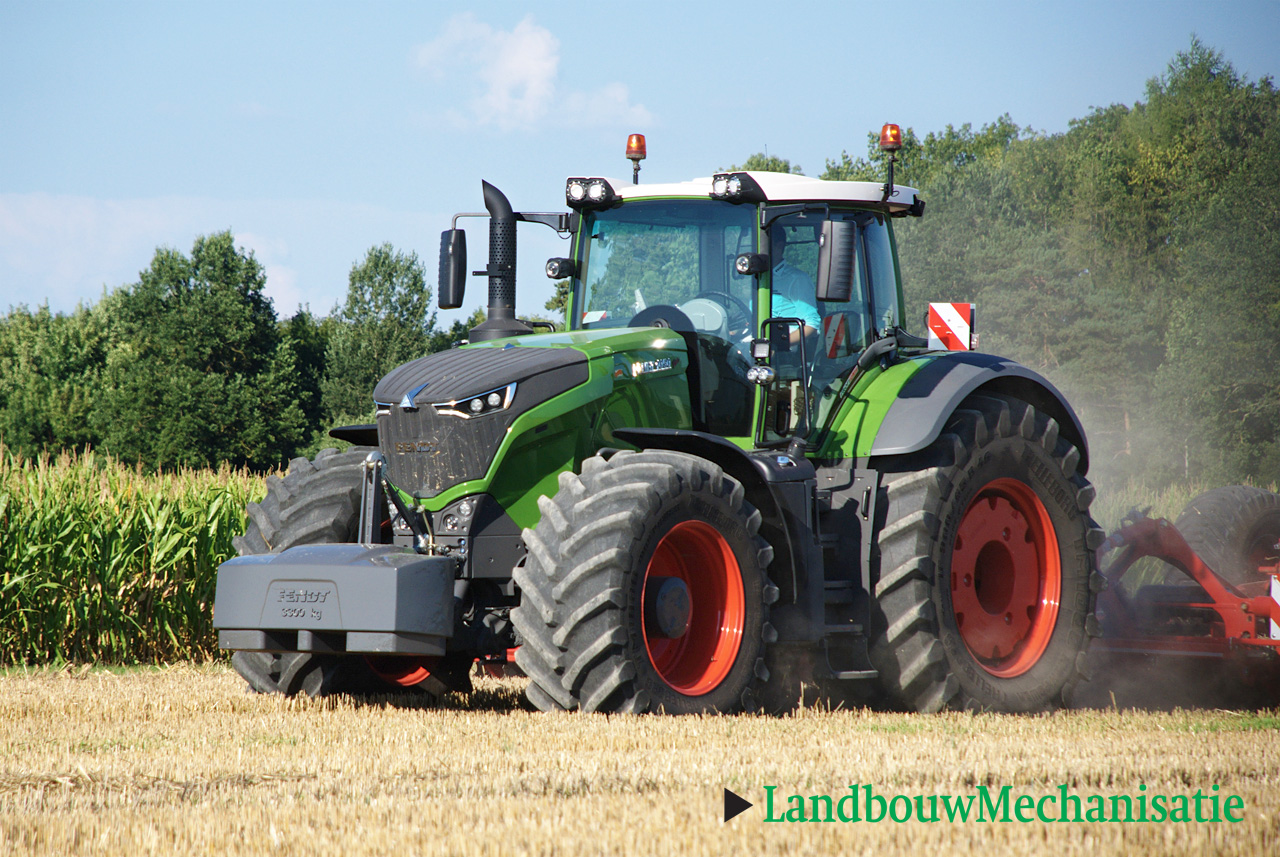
[[884, 280]]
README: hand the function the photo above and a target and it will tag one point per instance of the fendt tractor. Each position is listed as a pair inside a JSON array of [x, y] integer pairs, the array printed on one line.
[[733, 473]]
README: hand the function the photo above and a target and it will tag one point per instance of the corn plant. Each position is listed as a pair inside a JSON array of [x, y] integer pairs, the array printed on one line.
[[100, 562]]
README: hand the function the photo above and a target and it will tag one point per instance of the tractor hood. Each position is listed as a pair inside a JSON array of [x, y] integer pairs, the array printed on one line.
[[441, 418], [455, 376]]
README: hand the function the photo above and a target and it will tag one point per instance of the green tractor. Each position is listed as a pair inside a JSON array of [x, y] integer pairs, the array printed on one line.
[[733, 473]]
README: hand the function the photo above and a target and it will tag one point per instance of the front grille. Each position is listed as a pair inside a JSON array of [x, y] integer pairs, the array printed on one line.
[[428, 452]]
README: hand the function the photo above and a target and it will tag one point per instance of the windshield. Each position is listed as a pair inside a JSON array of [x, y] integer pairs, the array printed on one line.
[[669, 253], [664, 254]]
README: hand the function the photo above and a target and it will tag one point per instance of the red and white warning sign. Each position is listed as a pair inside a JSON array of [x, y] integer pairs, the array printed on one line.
[[835, 334], [951, 326]]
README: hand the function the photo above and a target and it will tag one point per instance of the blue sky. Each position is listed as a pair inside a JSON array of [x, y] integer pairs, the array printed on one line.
[[314, 131]]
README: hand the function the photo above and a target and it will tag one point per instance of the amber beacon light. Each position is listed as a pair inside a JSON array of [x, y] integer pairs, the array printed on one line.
[[635, 153], [891, 138]]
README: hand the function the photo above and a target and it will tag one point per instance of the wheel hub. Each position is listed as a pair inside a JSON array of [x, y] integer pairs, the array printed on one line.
[[402, 671], [695, 585], [1006, 578], [666, 607]]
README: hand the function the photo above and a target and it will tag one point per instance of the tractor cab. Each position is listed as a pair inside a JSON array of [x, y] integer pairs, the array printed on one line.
[[752, 268]]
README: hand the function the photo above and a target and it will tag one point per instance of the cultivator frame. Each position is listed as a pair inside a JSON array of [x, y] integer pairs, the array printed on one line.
[[1234, 620]]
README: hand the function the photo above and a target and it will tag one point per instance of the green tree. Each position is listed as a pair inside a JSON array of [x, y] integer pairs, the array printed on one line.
[[308, 338], [920, 162], [559, 301], [761, 162], [50, 372], [386, 320], [196, 375]]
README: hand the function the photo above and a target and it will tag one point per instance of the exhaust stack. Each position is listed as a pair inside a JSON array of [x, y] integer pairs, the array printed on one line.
[[501, 319]]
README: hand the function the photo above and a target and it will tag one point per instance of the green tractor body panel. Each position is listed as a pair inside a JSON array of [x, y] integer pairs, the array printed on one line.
[[852, 431]]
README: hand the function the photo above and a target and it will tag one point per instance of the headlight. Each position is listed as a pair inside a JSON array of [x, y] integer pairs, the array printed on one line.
[[588, 193], [478, 406], [736, 187]]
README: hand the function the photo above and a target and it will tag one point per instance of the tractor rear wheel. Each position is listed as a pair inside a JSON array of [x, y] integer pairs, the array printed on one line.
[[1235, 530], [318, 502], [645, 590], [985, 584]]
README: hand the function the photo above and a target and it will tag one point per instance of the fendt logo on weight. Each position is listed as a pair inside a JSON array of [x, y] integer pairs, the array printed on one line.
[[416, 446], [302, 596]]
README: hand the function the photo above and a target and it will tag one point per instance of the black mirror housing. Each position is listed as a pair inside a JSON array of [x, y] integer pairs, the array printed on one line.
[[452, 282], [837, 255]]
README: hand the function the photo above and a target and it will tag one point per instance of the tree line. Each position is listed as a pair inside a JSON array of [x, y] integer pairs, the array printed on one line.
[[1134, 259], [191, 367]]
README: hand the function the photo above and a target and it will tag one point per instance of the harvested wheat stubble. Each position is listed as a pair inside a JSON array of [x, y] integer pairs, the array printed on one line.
[[182, 761]]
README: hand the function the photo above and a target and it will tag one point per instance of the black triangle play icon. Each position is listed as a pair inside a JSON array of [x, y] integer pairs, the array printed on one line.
[[734, 805]]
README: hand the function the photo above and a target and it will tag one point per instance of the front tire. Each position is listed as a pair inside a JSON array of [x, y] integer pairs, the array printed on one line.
[[645, 590], [985, 588]]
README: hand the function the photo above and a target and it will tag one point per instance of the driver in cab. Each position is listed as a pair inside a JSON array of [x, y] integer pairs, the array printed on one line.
[[794, 292]]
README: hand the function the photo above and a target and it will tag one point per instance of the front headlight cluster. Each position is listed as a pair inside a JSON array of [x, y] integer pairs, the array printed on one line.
[[457, 517], [478, 406], [588, 193]]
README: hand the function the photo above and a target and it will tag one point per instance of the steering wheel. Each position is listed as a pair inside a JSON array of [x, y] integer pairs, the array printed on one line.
[[741, 319]]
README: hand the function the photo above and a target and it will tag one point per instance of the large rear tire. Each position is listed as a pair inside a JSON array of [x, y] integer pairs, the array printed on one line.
[[318, 502], [645, 589], [986, 582], [1234, 529]]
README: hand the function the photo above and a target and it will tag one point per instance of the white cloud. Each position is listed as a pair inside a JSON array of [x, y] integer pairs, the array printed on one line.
[[513, 78], [608, 106], [284, 291]]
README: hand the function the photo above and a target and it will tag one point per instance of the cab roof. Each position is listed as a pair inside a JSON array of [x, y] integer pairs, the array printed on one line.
[[777, 187]]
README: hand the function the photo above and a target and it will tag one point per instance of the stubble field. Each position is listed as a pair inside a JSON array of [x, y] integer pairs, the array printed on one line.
[[182, 761]]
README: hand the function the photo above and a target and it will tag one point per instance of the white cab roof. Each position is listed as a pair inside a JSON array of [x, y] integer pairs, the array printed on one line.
[[777, 187]]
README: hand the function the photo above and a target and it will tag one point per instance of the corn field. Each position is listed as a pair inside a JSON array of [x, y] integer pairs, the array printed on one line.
[[103, 563]]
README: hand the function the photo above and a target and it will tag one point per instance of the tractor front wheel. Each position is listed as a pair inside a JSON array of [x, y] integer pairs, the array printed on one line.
[[645, 590], [986, 581]]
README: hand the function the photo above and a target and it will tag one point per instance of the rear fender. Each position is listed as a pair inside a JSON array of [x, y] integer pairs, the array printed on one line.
[[930, 396]]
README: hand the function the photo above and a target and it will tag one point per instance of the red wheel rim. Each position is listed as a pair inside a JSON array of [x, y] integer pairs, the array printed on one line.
[[405, 672], [697, 662], [1006, 578]]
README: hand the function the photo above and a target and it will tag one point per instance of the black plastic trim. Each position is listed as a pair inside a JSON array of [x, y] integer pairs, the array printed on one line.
[[365, 434]]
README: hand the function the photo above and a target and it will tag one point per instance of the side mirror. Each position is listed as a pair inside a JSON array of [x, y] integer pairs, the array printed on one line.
[[452, 282], [837, 255]]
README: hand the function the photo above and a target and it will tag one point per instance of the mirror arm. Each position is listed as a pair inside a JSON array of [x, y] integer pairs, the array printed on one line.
[[557, 220]]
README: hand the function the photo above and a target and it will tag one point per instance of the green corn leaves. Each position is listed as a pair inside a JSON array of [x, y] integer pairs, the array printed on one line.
[[100, 562]]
